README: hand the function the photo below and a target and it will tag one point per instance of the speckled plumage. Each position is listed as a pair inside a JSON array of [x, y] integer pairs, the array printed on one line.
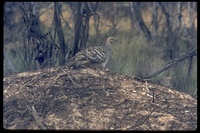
[[94, 57]]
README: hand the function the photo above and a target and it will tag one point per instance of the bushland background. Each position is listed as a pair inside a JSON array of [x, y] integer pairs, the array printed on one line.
[[149, 36]]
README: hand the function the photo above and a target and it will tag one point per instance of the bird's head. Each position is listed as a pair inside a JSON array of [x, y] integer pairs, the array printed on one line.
[[110, 40]]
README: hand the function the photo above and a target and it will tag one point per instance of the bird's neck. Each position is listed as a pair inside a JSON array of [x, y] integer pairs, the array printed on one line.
[[109, 47]]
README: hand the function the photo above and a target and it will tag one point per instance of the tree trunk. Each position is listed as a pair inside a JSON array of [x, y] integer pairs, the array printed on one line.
[[77, 28], [60, 34]]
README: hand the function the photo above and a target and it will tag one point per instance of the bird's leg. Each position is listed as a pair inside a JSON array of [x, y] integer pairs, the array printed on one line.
[[105, 69]]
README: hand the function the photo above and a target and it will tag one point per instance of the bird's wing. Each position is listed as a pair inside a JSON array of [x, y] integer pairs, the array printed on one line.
[[97, 54]]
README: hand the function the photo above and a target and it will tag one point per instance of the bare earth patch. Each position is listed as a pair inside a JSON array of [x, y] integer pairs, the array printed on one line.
[[63, 98]]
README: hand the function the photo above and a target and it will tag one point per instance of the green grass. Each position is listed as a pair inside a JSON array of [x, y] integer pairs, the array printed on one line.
[[135, 56], [180, 78], [15, 60]]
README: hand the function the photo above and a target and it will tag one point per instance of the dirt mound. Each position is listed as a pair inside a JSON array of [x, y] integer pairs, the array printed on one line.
[[63, 98]]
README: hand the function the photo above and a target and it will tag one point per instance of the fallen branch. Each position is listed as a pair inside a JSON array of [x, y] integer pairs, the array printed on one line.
[[38, 119], [171, 63]]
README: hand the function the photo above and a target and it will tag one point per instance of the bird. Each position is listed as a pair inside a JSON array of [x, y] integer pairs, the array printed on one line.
[[95, 57]]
